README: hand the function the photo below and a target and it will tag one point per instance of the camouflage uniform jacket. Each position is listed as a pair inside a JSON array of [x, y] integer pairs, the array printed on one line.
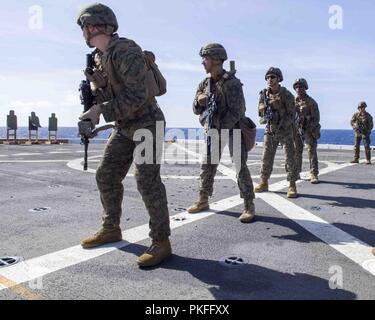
[[283, 107], [308, 112], [124, 67], [229, 98], [362, 123]]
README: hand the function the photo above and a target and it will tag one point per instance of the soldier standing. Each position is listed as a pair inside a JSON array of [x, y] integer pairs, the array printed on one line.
[[307, 128], [362, 124], [277, 110], [230, 114], [123, 66]]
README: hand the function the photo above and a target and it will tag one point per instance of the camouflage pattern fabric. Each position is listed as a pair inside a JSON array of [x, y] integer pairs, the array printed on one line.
[[357, 146], [97, 15], [229, 98], [116, 162], [309, 116], [283, 106], [362, 121], [362, 124], [244, 181], [231, 109], [215, 51], [124, 67]]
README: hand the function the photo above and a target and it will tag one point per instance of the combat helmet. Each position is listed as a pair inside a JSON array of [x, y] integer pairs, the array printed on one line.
[[276, 71], [302, 82], [362, 104], [97, 14], [215, 51]]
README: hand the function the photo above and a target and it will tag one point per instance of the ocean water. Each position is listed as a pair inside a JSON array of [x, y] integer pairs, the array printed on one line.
[[336, 137]]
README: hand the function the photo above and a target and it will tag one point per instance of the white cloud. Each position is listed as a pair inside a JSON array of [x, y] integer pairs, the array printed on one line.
[[70, 99], [180, 66], [256, 34], [23, 105]]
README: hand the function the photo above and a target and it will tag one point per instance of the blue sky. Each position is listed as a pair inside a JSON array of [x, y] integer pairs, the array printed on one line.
[[41, 69]]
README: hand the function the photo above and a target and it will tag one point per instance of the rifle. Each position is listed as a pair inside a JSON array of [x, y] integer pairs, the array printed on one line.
[[208, 114], [207, 117], [360, 128], [299, 122], [268, 115], [87, 100]]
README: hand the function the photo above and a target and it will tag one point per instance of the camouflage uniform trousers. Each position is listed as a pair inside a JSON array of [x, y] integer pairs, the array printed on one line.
[[357, 145], [270, 145], [117, 159], [239, 156], [312, 145]]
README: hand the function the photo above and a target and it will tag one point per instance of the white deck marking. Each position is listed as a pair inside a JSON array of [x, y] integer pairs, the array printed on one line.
[[76, 164], [344, 243], [31, 161], [353, 248], [41, 266], [25, 154]]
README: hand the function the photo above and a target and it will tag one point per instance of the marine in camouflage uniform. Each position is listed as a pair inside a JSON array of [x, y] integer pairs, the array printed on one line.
[[122, 96], [307, 128], [230, 101], [362, 124], [279, 130]]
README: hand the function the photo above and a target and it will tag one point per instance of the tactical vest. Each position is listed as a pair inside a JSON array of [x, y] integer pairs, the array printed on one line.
[[155, 84], [118, 87], [278, 105], [304, 107], [221, 98], [365, 121], [246, 125]]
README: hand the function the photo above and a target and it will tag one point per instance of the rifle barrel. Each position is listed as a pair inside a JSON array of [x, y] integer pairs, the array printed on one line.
[[85, 163]]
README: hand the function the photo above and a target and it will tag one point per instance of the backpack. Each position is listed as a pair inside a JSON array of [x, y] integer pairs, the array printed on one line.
[[155, 81]]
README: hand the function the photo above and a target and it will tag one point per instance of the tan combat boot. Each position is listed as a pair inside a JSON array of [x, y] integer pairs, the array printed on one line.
[[248, 214], [262, 187], [104, 236], [200, 205], [292, 191], [373, 251], [314, 179], [154, 255], [354, 161]]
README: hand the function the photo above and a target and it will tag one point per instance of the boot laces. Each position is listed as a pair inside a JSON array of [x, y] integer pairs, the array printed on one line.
[[153, 247]]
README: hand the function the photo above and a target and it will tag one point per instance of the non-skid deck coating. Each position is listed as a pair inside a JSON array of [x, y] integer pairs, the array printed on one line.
[[315, 247]]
